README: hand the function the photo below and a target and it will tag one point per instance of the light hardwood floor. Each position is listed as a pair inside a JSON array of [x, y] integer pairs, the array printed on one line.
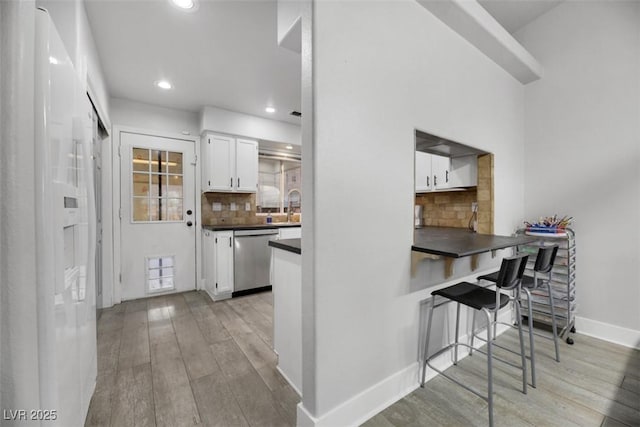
[[183, 360], [595, 384]]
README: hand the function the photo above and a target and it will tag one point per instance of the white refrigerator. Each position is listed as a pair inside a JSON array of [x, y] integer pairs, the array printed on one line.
[[65, 230]]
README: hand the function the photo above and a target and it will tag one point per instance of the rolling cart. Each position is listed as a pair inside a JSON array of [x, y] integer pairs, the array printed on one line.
[[563, 281]]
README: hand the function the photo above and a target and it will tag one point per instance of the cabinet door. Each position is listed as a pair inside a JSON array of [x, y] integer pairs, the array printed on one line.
[[220, 163], [224, 262], [208, 261], [246, 165], [440, 167], [423, 172], [290, 233]]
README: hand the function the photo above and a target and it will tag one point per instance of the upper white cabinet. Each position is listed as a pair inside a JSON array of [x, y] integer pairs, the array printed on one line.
[[440, 169], [424, 180], [433, 172], [229, 164]]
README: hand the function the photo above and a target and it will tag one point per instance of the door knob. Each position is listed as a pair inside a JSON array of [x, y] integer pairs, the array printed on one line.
[[189, 223]]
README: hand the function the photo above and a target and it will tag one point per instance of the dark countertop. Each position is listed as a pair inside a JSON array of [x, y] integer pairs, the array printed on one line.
[[458, 242], [291, 245], [273, 225]]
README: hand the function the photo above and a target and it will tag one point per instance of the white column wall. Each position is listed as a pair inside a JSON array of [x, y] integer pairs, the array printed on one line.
[[583, 151], [381, 71]]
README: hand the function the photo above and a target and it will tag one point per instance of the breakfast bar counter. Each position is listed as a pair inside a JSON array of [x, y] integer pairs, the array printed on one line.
[[454, 243]]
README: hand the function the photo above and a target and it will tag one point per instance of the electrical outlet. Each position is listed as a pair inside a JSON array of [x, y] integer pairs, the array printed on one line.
[[247, 206], [216, 206], [233, 206], [474, 206]]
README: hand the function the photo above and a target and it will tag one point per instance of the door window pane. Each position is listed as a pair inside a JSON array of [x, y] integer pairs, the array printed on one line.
[[157, 192], [140, 209], [141, 159]]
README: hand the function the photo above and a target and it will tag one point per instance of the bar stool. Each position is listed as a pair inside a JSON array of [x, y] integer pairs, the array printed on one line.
[[543, 265], [489, 302]]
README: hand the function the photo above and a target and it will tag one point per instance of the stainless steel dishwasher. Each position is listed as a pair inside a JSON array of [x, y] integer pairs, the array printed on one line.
[[252, 260]]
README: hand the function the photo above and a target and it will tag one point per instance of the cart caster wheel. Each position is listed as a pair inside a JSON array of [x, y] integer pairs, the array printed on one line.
[[573, 329], [569, 340]]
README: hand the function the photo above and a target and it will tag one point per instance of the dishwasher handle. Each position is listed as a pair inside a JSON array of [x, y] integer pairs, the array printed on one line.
[[248, 233]]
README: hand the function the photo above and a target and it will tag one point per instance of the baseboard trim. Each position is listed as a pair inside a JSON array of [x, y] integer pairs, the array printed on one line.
[[288, 380], [379, 396], [608, 332]]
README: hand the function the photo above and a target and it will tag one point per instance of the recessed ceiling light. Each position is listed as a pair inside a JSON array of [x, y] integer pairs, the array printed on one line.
[[163, 84], [270, 110], [184, 4]]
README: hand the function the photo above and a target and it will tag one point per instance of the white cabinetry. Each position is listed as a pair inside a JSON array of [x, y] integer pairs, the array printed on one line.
[[217, 255], [440, 169], [229, 164], [433, 172], [290, 233], [424, 180]]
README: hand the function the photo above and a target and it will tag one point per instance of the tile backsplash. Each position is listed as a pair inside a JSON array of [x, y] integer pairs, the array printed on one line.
[[240, 216], [447, 209]]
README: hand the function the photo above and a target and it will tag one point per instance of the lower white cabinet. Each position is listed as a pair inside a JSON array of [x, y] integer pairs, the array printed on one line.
[[290, 233], [217, 254]]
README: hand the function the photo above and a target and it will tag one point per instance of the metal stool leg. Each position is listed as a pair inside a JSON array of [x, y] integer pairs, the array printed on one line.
[[532, 353], [553, 319], [426, 343], [455, 348], [489, 368], [473, 332], [522, 353]]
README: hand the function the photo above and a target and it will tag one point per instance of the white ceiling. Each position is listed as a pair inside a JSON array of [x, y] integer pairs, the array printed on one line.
[[224, 54], [515, 14]]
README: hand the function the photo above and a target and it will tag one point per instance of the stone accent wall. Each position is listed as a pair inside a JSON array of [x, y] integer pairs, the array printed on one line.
[[453, 208], [238, 217]]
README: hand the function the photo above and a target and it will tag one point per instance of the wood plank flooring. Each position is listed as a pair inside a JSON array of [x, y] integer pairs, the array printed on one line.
[[183, 360], [595, 384]]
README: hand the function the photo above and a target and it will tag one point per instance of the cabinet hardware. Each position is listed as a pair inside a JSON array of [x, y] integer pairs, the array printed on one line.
[[229, 241], [231, 184], [216, 240], [427, 181], [435, 180], [447, 176], [216, 285], [238, 182], [209, 183]]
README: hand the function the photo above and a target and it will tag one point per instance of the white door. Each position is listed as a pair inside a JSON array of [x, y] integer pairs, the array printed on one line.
[[246, 165], [157, 200]]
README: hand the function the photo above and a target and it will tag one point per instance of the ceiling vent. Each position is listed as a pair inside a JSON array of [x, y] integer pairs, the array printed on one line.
[[296, 113]]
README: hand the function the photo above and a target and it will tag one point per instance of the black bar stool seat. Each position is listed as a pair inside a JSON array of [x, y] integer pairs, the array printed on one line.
[[473, 296]]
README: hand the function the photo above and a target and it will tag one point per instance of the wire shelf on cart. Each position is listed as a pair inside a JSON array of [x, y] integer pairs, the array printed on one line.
[[563, 281]]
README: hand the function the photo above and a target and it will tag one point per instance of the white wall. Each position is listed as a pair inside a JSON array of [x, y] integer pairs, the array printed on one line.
[[234, 123], [150, 117], [381, 71], [583, 148]]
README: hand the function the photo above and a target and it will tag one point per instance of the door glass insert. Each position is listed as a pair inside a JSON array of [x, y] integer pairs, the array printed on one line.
[[157, 185], [160, 273]]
